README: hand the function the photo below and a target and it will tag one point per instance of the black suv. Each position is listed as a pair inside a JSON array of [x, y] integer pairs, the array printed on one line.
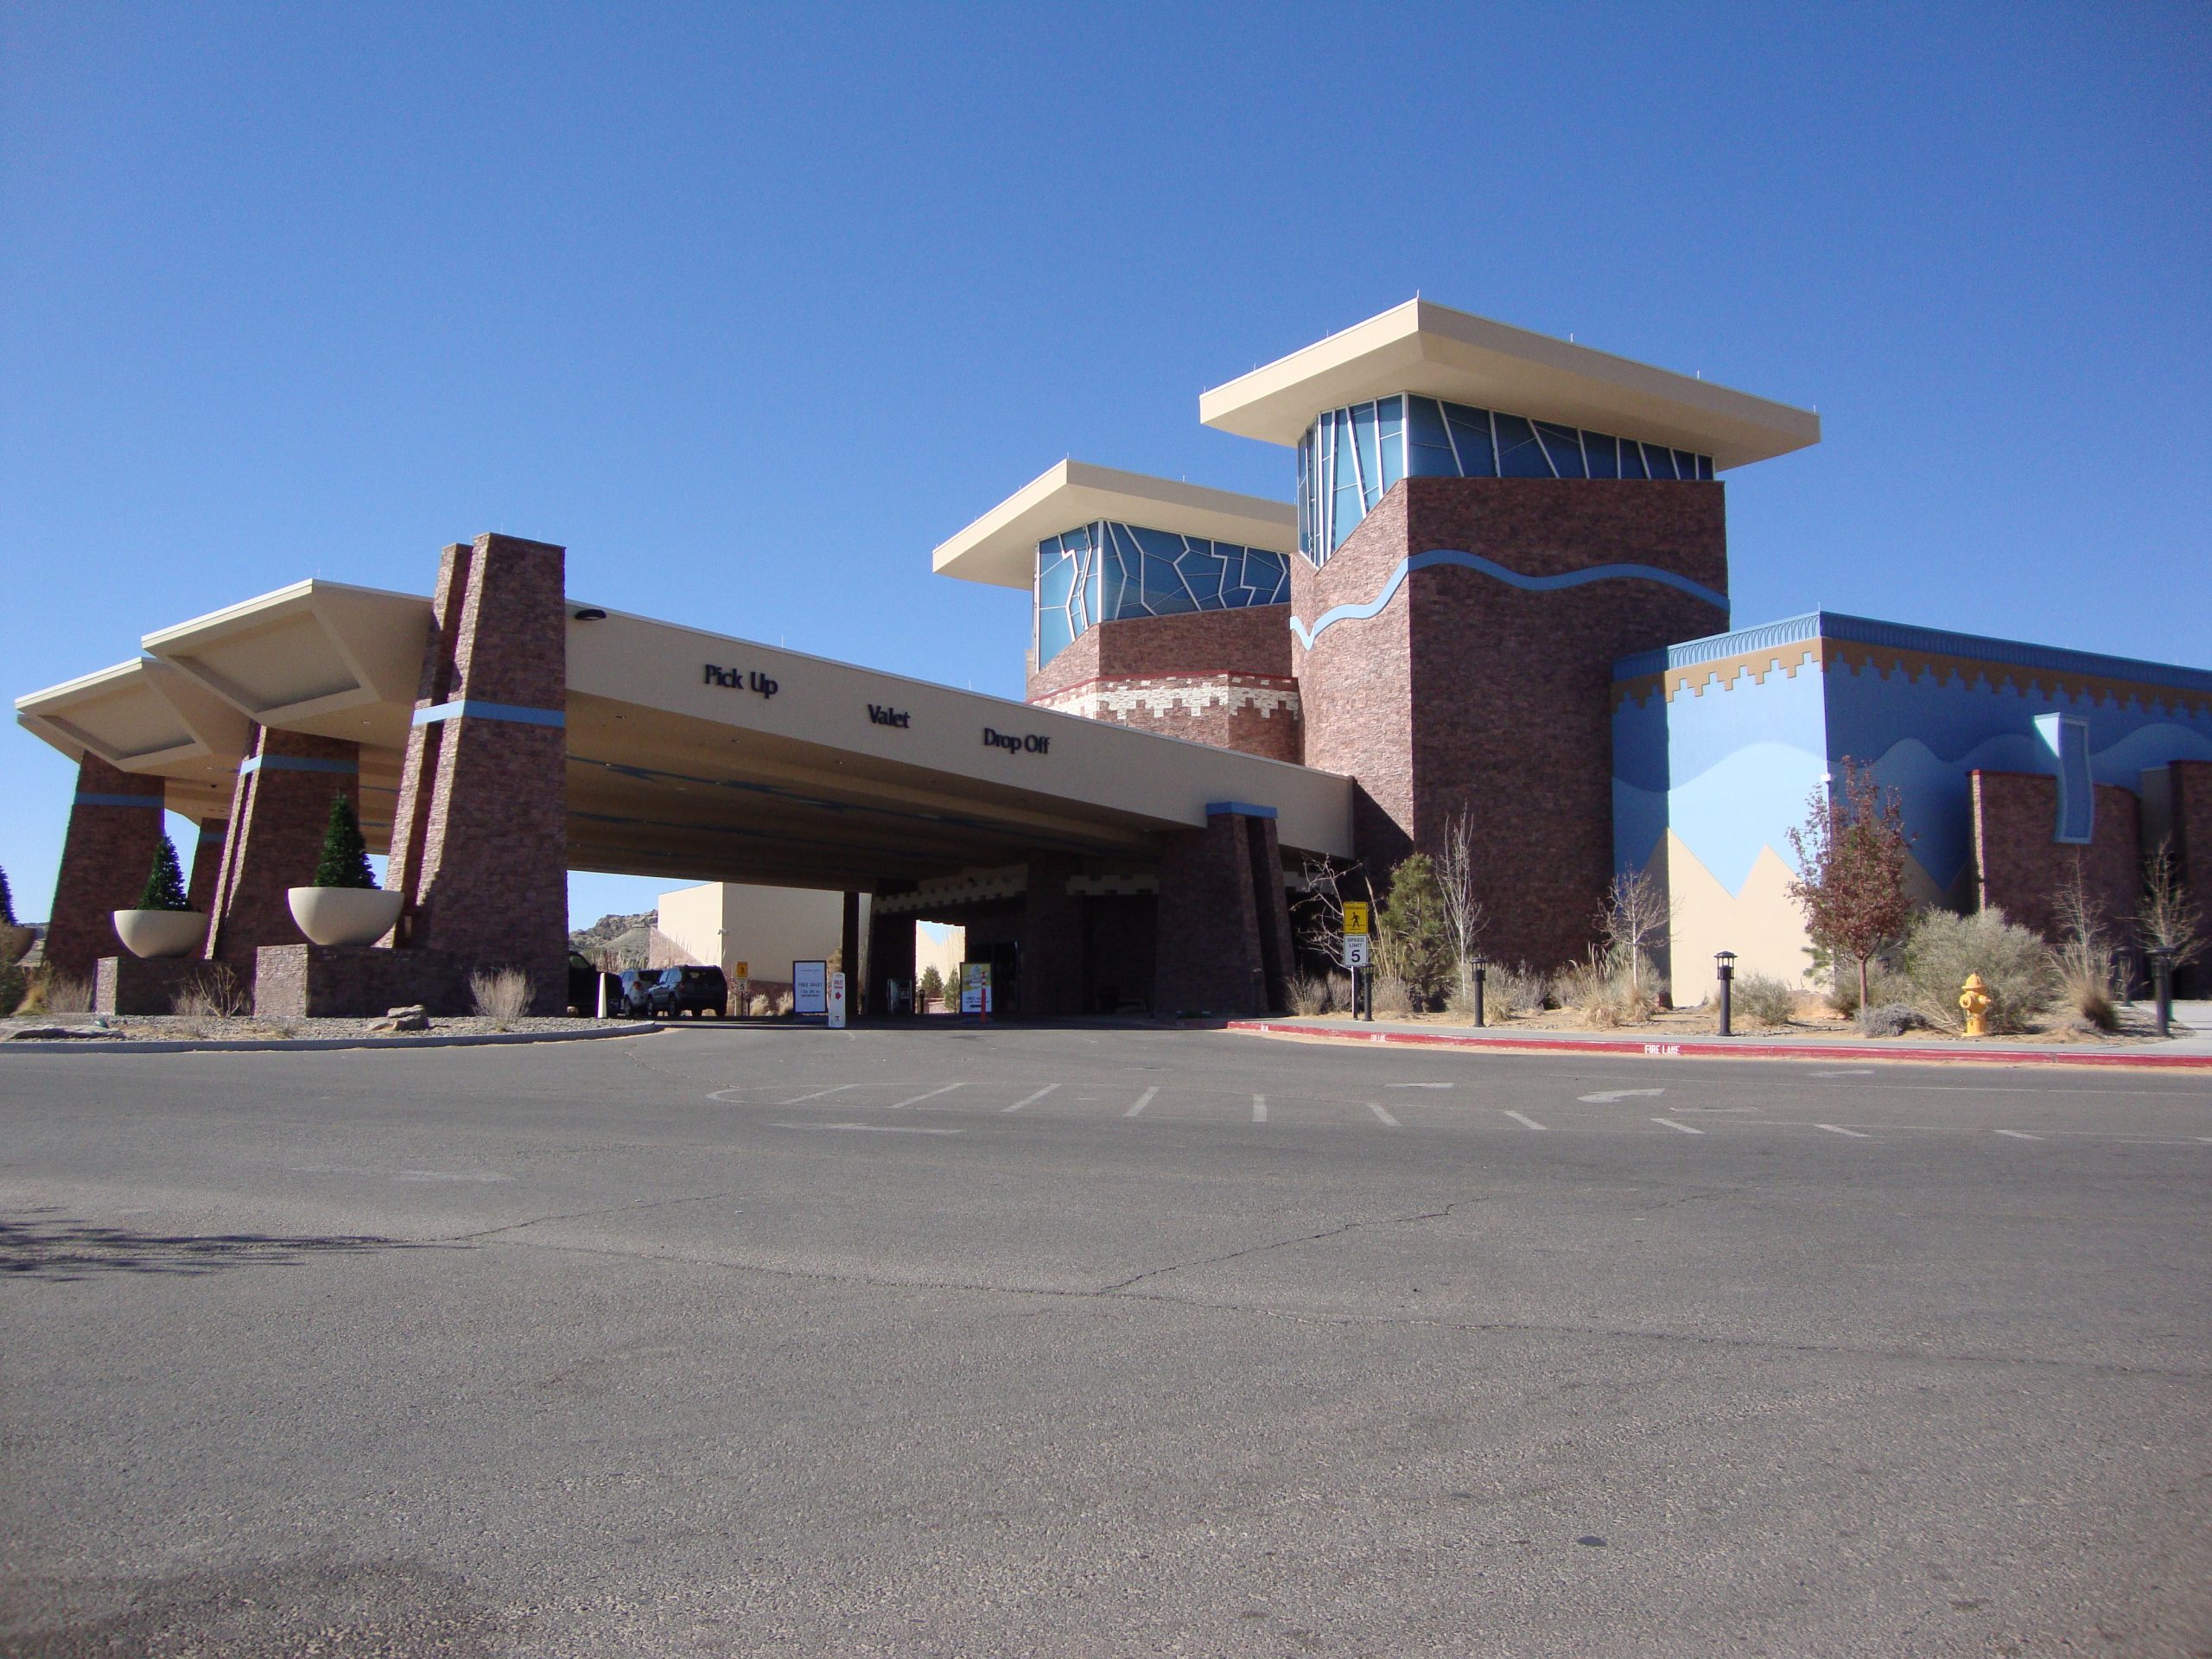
[[674, 991]]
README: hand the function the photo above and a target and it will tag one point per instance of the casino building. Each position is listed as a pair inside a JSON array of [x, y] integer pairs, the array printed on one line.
[[1498, 594]]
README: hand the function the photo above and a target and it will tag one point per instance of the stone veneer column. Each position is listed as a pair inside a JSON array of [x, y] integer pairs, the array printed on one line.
[[1225, 921], [207, 862], [479, 837], [280, 807], [1051, 938], [115, 823], [854, 966]]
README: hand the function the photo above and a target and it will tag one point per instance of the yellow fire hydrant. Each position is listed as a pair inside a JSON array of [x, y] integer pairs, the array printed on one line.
[[1975, 1000]]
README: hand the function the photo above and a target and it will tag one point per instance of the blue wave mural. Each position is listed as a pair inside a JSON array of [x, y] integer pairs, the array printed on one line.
[[1406, 567]]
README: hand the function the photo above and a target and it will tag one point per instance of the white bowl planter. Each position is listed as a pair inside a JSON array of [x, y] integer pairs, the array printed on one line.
[[160, 932], [344, 915]]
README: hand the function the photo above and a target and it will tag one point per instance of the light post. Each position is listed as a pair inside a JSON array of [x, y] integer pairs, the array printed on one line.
[[1726, 962], [1480, 971], [2162, 988]]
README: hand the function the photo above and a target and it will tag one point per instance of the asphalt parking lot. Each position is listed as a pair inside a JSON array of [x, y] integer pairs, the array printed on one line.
[[1087, 1341]]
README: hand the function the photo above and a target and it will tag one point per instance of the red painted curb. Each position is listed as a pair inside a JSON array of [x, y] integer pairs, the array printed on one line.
[[1696, 1049]]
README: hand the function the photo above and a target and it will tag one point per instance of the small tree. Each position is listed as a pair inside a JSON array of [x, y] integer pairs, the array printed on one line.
[[165, 882], [932, 983], [1851, 853], [345, 861], [2168, 918], [1416, 932], [6, 903], [1633, 918], [1319, 913], [1463, 915]]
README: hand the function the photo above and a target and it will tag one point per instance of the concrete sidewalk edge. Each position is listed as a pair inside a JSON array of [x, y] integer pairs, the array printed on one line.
[[1716, 1048], [302, 1044]]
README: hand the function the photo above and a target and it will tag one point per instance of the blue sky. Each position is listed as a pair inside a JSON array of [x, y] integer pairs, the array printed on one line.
[[751, 309]]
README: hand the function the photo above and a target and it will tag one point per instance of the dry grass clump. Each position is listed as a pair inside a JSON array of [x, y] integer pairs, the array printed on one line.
[[1394, 998], [1308, 994], [784, 1003], [758, 1008], [503, 996], [1763, 1000], [212, 993], [1606, 994], [50, 991]]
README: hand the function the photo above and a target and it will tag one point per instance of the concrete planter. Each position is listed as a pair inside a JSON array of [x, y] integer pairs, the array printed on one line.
[[156, 933], [344, 915]]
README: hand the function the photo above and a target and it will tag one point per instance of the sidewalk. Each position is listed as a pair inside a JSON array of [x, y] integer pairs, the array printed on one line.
[[2188, 1050]]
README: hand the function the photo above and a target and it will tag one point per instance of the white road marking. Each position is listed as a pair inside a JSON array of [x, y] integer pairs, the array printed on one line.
[[1259, 1109], [1838, 1129], [724, 1094], [1376, 1107], [1613, 1095], [818, 1094], [1416, 1085], [2018, 1135], [868, 1129], [1524, 1120], [1027, 1100], [1854, 1072], [930, 1095], [1143, 1101], [1671, 1124]]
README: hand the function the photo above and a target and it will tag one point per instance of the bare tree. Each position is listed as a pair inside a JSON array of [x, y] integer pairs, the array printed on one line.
[[1320, 913], [1634, 916], [2087, 963], [1852, 852], [1464, 914], [2168, 918]]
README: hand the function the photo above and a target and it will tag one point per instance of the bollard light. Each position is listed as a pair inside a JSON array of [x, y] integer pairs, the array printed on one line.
[[2162, 988], [1481, 970], [1724, 963]]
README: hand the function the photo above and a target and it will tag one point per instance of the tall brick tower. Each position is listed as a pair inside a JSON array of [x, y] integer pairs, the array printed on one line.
[[1487, 519]]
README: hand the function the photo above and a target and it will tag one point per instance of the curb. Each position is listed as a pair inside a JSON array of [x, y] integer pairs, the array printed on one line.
[[1714, 1049], [303, 1044]]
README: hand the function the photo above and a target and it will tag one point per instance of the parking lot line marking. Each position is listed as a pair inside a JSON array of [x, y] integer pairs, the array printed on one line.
[[2018, 1135], [869, 1128], [1376, 1107], [1684, 1127], [1416, 1085], [1853, 1072], [1259, 1109], [930, 1095], [1143, 1101], [1029, 1099], [818, 1094], [1610, 1096], [1838, 1129], [1524, 1120]]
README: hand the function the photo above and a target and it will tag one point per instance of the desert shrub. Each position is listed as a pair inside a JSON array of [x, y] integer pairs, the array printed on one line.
[[13, 986], [1888, 1018], [759, 1007], [1943, 949], [1763, 1000], [1309, 994], [1518, 989], [784, 1003], [1415, 933], [1394, 998], [214, 993], [503, 995], [2088, 981], [1606, 993], [1340, 992], [53, 992]]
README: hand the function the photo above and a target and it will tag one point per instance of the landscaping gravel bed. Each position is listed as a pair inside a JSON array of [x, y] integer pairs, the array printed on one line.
[[174, 1028]]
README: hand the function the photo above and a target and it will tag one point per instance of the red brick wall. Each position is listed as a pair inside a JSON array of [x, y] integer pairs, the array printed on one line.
[[1466, 694], [1051, 938], [208, 864], [278, 816], [481, 836], [106, 857], [1223, 936], [2020, 870], [1220, 677]]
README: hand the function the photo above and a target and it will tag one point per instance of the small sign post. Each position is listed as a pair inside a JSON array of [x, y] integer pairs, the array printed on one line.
[[836, 1001], [1358, 959]]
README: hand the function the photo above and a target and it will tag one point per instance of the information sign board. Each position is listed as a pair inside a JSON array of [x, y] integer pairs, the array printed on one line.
[[1356, 950], [810, 988], [974, 987], [836, 1001]]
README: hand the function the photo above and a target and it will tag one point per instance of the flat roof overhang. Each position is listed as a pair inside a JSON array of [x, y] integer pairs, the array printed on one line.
[[671, 773], [1435, 351], [1000, 547], [675, 774]]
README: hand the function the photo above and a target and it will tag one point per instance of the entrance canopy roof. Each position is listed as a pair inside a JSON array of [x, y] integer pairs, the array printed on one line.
[[1435, 352], [691, 755], [1000, 547]]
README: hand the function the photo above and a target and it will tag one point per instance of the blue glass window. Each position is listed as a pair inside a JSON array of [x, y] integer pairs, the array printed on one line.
[[1519, 455], [1106, 572], [1563, 446]]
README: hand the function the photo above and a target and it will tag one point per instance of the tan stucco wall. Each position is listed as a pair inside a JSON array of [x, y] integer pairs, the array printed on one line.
[[766, 928]]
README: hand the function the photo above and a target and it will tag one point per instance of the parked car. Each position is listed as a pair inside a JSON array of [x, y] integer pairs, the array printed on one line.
[[632, 997], [697, 991]]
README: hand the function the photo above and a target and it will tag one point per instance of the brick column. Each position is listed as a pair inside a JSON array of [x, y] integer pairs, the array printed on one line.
[[1225, 923], [279, 808], [207, 862], [115, 823], [848, 955], [890, 955], [479, 837], [1051, 938]]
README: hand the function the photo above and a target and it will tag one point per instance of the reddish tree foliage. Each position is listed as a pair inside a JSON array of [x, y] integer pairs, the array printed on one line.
[[1851, 856]]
